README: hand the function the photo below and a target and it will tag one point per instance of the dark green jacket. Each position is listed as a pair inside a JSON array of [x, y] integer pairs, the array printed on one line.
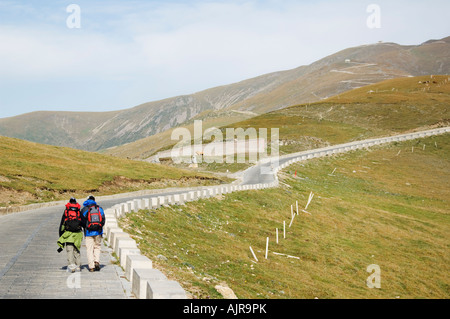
[[72, 238], [69, 237]]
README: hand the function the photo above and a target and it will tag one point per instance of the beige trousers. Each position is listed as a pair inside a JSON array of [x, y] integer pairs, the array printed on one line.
[[73, 257], [93, 249]]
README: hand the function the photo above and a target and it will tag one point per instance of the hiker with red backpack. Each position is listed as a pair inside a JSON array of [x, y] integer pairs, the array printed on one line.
[[93, 218], [71, 235]]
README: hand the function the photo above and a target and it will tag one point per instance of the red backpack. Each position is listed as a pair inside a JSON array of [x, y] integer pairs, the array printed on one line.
[[72, 217]]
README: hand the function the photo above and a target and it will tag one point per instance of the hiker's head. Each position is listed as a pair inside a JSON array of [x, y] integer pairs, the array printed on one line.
[[91, 198], [72, 200]]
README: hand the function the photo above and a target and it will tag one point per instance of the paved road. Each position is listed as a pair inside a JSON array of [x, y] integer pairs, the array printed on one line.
[[30, 266], [265, 170]]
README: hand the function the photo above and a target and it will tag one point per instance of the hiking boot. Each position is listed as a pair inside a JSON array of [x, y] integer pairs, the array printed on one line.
[[97, 266]]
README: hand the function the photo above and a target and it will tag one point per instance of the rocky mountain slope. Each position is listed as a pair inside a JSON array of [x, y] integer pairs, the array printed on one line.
[[340, 72]]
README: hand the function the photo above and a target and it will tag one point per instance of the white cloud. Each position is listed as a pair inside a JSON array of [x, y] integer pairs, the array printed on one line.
[[158, 49], [49, 54]]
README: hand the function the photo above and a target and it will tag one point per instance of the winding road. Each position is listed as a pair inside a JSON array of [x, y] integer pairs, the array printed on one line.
[[31, 268]]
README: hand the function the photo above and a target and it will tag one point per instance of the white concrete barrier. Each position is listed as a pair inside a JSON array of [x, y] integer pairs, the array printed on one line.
[[155, 202], [146, 203], [165, 289], [109, 231], [125, 209], [163, 200], [170, 199], [177, 200], [136, 261], [124, 252], [109, 225], [138, 204], [141, 276], [123, 242], [110, 216], [131, 208], [118, 211], [116, 234]]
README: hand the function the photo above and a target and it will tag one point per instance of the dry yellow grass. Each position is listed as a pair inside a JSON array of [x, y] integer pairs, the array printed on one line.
[[31, 172]]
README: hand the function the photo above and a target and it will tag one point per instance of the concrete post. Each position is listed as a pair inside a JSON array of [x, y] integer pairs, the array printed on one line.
[[124, 242], [109, 230], [114, 236], [136, 261], [162, 201], [124, 252], [138, 204], [141, 276], [146, 203], [131, 207], [155, 202], [125, 209], [165, 289]]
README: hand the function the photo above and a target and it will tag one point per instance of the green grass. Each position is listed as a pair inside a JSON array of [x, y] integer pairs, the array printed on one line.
[[389, 107], [379, 207], [31, 172]]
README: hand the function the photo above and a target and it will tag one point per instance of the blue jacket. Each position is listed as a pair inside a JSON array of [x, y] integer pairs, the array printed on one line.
[[84, 211]]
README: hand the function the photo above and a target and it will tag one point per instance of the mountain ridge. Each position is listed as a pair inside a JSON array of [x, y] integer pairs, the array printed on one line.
[[329, 76]]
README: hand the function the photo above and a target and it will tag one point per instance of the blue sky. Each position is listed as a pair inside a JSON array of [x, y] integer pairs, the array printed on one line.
[[129, 52]]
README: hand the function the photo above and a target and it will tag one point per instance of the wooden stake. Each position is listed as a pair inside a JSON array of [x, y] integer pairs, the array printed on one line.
[[253, 253], [311, 195], [289, 256], [267, 246], [296, 206], [284, 229], [277, 235], [291, 220]]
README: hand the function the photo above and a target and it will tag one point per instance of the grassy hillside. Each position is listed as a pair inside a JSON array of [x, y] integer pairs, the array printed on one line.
[[73, 129], [387, 206], [31, 172], [145, 147], [390, 107]]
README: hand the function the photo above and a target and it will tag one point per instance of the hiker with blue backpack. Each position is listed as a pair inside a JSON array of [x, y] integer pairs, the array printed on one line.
[[93, 218]]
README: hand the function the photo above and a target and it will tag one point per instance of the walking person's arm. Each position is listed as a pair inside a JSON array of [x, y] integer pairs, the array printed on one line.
[[61, 226], [83, 219], [103, 216]]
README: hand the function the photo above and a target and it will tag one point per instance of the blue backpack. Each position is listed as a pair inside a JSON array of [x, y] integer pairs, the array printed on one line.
[[94, 218]]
